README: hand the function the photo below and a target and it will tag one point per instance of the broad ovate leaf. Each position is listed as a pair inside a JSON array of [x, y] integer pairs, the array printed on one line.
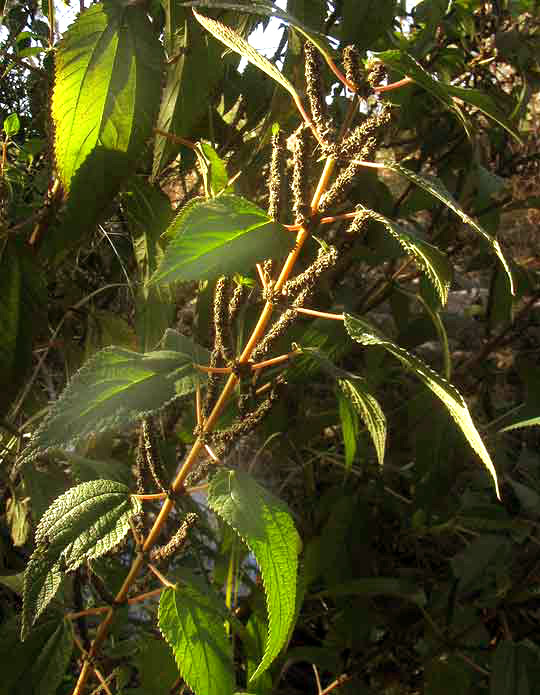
[[267, 528], [436, 188], [367, 407], [364, 333], [193, 624], [83, 523], [221, 236], [432, 261], [114, 389], [106, 91]]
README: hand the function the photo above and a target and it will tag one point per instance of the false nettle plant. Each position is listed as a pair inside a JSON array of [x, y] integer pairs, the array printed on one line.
[[104, 105]]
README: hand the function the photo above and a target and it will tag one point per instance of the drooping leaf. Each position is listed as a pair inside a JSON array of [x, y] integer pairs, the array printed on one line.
[[368, 408], [217, 237], [434, 262], [192, 622], [235, 42], [83, 523], [22, 297], [105, 99], [215, 170], [271, 10], [267, 528], [113, 390], [448, 94], [148, 212], [349, 427], [195, 67], [435, 187], [42, 578], [364, 333], [38, 664], [106, 87]]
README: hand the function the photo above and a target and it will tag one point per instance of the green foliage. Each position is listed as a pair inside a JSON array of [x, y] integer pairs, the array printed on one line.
[[114, 389], [268, 530], [191, 621], [219, 236], [260, 396], [83, 523], [365, 334]]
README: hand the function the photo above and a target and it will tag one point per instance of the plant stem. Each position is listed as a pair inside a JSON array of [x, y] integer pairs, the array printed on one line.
[[178, 483]]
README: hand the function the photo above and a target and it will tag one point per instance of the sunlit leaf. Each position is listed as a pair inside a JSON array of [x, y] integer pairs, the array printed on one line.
[[368, 408], [436, 188], [364, 333], [220, 236], [113, 390], [192, 622], [83, 523], [434, 262]]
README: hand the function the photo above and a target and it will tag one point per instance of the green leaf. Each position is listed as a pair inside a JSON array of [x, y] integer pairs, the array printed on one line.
[[235, 42], [365, 334], [217, 237], [83, 523], [148, 212], [38, 665], [12, 125], [368, 408], [107, 83], [270, 10], [192, 622], [196, 69], [22, 296], [349, 427], [267, 528], [435, 186], [113, 390], [105, 99], [529, 422], [216, 170], [515, 669], [156, 666], [365, 21], [434, 262], [449, 95]]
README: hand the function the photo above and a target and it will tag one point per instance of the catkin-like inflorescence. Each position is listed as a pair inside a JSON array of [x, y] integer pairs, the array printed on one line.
[[212, 385], [223, 441], [339, 188], [365, 137], [315, 93], [153, 457], [299, 182], [177, 541], [307, 280], [353, 67], [376, 72], [221, 303], [359, 223], [275, 182]]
